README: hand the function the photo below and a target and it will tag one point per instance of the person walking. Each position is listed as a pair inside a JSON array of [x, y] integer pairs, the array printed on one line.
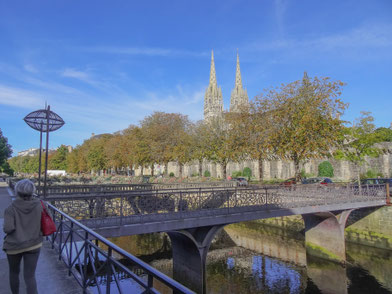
[[23, 240]]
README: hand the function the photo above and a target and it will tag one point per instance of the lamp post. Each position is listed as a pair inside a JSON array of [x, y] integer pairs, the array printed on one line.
[[44, 120]]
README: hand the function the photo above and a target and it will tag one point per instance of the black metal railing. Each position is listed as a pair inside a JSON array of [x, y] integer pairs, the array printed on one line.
[[96, 262]]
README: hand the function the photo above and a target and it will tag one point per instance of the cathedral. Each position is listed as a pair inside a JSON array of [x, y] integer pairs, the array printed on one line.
[[213, 100]]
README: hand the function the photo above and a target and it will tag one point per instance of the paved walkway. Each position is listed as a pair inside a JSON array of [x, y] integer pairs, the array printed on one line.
[[52, 275]]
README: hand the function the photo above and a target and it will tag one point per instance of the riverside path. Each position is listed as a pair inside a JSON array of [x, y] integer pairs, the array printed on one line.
[[51, 275]]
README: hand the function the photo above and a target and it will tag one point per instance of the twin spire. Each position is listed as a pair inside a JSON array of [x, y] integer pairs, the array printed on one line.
[[213, 101]]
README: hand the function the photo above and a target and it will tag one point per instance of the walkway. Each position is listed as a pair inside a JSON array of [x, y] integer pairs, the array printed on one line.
[[52, 275]]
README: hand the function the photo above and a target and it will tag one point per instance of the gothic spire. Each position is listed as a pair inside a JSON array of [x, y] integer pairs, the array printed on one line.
[[212, 71], [239, 96], [213, 101], [238, 82]]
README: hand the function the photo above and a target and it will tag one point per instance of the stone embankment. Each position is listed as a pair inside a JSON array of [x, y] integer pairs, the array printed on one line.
[[366, 226]]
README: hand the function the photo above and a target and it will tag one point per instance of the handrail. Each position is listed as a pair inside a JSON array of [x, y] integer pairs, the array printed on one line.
[[83, 257], [116, 209]]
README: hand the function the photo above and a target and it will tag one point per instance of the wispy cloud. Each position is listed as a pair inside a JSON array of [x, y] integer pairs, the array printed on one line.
[[376, 36], [147, 51], [280, 10], [19, 97], [76, 74]]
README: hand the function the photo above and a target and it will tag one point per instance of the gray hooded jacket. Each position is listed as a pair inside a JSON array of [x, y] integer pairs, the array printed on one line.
[[22, 224]]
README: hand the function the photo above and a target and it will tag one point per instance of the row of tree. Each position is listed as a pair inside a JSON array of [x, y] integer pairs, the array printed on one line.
[[297, 121]]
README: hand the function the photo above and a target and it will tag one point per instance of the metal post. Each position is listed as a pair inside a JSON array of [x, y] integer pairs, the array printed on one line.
[[108, 270], [388, 195], [47, 149], [40, 156]]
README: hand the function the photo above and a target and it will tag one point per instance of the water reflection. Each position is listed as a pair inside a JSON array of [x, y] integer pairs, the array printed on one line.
[[251, 258]]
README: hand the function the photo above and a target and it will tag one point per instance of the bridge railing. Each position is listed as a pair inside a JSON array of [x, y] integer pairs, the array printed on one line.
[[145, 206], [120, 188], [95, 259]]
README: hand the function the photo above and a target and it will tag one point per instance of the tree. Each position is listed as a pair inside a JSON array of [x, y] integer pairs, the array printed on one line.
[[359, 141], [5, 149], [306, 119], [222, 144], [384, 134], [163, 132], [325, 169], [59, 159], [251, 128]]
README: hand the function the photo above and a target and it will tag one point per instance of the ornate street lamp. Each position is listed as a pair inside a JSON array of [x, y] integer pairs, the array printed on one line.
[[44, 121]]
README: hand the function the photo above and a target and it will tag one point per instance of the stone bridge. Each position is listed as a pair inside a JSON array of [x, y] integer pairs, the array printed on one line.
[[192, 216]]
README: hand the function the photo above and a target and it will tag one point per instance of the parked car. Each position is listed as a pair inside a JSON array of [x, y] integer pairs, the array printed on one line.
[[377, 181], [317, 181], [289, 182], [241, 181]]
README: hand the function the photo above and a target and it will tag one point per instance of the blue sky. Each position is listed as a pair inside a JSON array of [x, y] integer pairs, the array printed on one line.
[[103, 65]]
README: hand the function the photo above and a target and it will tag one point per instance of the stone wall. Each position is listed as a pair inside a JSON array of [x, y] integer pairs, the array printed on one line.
[[277, 169], [371, 226]]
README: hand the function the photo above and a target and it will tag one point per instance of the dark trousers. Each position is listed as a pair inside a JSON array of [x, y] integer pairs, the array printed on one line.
[[30, 259]]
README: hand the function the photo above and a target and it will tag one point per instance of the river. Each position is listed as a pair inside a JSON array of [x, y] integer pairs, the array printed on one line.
[[254, 258]]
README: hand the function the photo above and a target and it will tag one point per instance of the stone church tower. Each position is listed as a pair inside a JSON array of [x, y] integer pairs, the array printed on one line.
[[213, 101], [239, 96]]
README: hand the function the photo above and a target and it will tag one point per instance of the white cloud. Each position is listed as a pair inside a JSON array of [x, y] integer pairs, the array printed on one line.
[[72, 73], [148, 51], [20, 98], [30, 68]]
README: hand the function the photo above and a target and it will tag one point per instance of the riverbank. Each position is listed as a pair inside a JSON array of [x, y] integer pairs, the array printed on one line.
[[367, 226]]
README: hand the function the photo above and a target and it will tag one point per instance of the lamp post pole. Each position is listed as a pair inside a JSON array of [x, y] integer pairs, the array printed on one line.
[[44, 120]]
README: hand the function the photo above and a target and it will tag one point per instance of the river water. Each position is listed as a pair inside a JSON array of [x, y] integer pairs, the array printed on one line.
[[254, 258]]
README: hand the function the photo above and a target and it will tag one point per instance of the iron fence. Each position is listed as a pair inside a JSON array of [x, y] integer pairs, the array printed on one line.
[[96, 262]]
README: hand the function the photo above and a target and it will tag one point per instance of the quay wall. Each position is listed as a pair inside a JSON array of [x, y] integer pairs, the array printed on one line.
[[365, 226]]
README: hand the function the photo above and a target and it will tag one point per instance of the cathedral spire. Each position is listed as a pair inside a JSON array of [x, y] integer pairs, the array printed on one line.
[[238, 81], [239, 96], [212, 71], [213, 101]]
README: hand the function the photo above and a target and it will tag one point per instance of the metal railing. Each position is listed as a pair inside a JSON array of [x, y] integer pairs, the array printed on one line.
[[96, 262], [139, 207], [120, 188]]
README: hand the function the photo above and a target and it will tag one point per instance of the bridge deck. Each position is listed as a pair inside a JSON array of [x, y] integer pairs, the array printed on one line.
[[137, 212], [51, 275]]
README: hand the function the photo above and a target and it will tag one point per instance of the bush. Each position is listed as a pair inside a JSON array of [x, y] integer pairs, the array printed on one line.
[[171, 174], [247, 172], [195, 175], [325, 169], [370, 174], [237, 173], [207, 174]]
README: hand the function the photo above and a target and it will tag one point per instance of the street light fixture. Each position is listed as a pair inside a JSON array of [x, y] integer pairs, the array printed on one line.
[[44, 121]]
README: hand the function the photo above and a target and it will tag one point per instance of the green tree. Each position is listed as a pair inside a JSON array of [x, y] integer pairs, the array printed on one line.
[[5, 149], [325, 169], [384, 134], [306, 119], [359, 141], [59, 159]]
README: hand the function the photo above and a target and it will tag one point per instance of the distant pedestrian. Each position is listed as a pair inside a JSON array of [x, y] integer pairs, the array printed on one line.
[[22, 225]]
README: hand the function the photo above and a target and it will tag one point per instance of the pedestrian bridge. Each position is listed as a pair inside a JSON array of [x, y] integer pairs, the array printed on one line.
[[191, 217], [118, 213]]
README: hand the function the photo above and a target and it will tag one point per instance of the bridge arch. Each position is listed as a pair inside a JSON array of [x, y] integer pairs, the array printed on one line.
[[189, 250], [324, 234]]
